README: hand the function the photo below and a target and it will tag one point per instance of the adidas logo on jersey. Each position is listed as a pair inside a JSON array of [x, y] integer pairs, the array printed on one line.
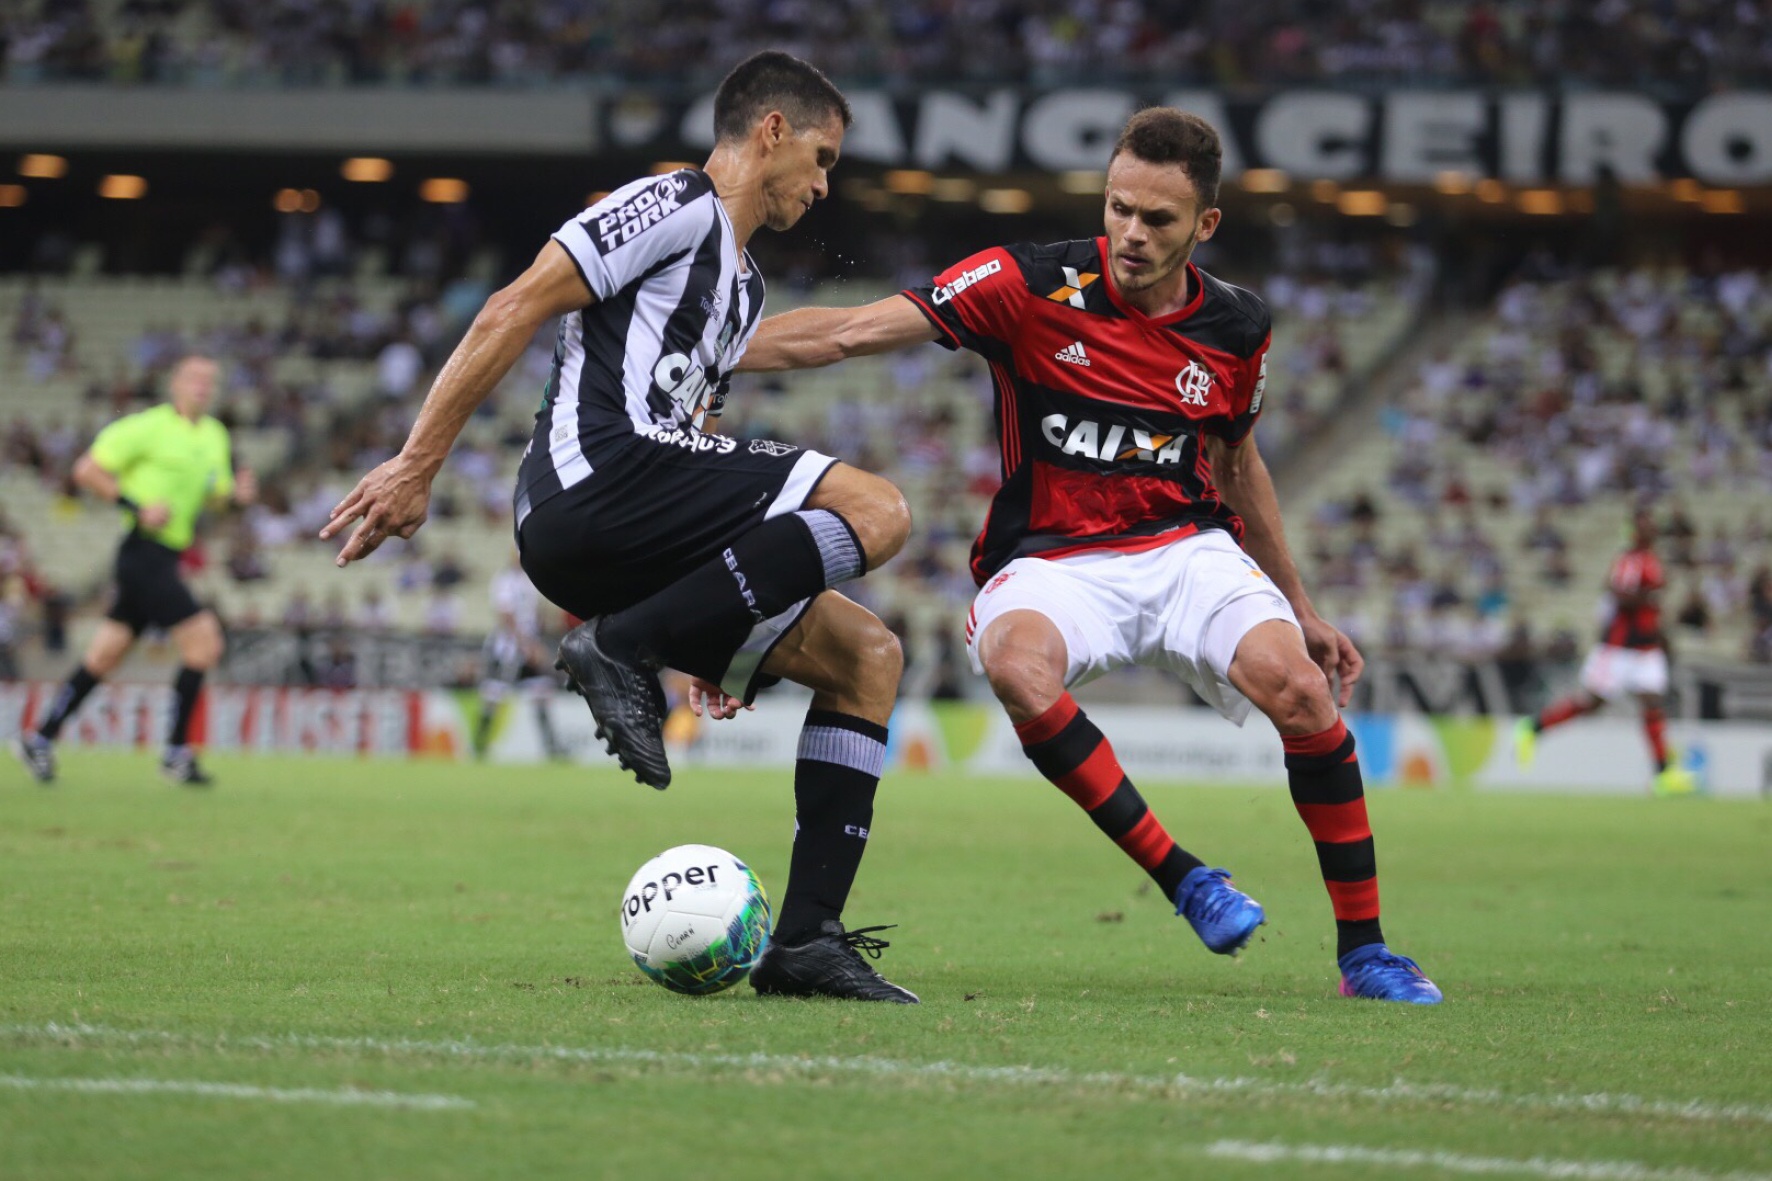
[[1073, 353]]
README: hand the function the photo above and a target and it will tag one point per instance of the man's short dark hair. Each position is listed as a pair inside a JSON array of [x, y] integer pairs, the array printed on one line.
[[1164, 135], [775, 81]]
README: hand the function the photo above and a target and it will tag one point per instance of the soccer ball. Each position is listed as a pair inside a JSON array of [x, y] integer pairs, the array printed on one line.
[[695, 919]]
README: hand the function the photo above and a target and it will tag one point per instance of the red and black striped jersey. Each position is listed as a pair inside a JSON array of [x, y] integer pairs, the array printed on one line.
[[1635, 572], [1099, 407]]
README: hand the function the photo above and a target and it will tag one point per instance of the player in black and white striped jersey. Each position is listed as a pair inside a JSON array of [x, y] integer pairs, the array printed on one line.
[[683, 548]]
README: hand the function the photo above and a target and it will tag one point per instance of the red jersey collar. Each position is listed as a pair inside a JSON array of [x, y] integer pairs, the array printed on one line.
[[1188, 309]]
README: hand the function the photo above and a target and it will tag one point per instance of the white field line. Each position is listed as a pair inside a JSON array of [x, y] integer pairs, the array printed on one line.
[[343, 1097], [1452, 1162], [1397, 1093]]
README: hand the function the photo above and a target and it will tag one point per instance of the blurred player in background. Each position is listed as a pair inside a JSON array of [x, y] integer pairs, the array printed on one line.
[[681, 548], [1127, 385], [164, 467], [1631, 657], [515, 659]]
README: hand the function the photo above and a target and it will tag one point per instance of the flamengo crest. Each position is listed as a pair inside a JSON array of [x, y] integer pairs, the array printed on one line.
[[1194, 384]]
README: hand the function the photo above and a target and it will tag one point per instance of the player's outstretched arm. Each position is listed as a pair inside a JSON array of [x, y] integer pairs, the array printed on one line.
[[1248, 488], [808, 338], [394, 499]]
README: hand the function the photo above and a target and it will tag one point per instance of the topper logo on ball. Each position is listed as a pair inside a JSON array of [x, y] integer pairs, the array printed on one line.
[[641, 900]]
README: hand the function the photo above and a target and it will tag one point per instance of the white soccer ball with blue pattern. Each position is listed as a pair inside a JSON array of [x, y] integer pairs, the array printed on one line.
[[695, 919]]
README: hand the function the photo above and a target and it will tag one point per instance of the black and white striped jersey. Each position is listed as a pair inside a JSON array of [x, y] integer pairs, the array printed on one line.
[[677, 303]]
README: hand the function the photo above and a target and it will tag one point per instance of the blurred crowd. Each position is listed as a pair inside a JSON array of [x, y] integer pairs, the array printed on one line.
[[1582, 396], [1575, 391], [1688, 45]]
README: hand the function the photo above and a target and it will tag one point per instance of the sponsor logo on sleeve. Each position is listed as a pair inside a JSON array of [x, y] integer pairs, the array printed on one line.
[[1260, 387], [965, 279], [771, 447], [621, 225]]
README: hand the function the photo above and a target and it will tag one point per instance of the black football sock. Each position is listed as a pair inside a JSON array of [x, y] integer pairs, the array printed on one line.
[[834, 780], [67, 700], [545, 723], [188, 685], [483, 727], [699, 621]]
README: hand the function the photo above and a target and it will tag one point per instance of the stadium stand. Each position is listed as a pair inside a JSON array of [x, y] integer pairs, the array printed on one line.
[[324, 378], [1482, 510], [1044, 42]]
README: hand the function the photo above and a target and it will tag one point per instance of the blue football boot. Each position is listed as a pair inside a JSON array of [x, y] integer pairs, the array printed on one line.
[[1380, 974], [1222, 916]]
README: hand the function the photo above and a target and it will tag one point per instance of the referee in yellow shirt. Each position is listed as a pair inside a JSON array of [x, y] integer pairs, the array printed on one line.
[[164, 467]]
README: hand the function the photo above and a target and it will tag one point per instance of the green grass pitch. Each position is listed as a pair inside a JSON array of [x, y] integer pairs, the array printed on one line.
[[364, 969]]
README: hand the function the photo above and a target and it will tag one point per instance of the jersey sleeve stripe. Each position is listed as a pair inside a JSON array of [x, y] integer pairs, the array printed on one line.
[[934, 319], [1011, 431], [576, 265]]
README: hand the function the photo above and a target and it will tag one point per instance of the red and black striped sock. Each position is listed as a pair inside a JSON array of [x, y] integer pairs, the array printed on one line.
[[1655, 729], [1327, 791], [1074, 755], [1566, 710]]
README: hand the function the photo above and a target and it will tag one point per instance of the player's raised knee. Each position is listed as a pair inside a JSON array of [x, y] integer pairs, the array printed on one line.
[[1296, 698], [1022, 680], [881, 654]]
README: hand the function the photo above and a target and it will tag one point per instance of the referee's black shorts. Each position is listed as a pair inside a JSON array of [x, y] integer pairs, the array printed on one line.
[[149, 591], [652, 510]]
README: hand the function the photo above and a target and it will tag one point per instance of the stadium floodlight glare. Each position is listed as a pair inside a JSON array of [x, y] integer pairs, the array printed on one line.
[[367, 169], [1264, 180], [120, 186], [1540, 202], [1491, 191], [1722, 201], [42, 167], [1325, 191], [1005, 200], [443, 190], [12, 196], [913, 182], [661, 167], [1401, 214], [1453, 183], [1083, 182], [1362, 203], [1686, 189], [953, 188], [594, 196]]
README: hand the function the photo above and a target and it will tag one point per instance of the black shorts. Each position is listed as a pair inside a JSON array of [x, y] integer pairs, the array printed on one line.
[[651, 511], [149, 591]]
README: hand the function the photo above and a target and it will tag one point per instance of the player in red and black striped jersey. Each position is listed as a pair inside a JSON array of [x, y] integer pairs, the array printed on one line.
[[1103, 411], [1631, 657], [1136, 522]]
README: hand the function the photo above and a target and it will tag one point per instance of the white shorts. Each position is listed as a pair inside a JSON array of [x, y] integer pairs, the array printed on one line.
[[1608, 671], [1183, 607]]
